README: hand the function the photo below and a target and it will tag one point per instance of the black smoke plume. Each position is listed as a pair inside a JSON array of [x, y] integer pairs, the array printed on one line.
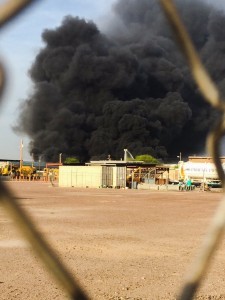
[[96, 94]]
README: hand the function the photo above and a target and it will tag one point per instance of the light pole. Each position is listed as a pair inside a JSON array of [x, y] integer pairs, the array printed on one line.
[[60, 158], [32, 155], [179, 156]]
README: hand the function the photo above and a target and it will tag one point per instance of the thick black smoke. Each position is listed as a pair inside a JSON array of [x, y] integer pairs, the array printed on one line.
[[96, 94]]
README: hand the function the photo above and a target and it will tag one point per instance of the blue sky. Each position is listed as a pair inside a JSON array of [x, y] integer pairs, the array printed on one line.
[[21, 42]]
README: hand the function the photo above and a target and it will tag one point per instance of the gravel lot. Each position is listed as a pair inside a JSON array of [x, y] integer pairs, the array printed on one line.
[[120, 244]]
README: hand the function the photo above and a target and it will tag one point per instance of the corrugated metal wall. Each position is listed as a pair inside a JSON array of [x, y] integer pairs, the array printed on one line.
[[119, 177], [107, 176]]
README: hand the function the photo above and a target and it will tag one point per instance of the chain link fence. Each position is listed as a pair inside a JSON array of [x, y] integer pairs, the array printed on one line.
[[211, 94], [11, 9]]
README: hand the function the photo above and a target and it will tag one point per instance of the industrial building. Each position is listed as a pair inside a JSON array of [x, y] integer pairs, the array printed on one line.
[[126, 173], [112, 174]]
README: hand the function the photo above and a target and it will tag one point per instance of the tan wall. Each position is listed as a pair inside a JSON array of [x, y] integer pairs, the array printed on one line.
[[80, 176]]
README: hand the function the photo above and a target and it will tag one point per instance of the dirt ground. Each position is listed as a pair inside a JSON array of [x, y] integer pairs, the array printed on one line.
[[120, 244]]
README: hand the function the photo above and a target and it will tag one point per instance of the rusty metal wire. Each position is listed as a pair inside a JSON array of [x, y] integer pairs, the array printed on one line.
[[212, 96], [8, 11], [12, 8]]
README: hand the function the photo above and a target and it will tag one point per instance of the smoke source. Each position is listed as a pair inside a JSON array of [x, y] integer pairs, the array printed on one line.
[[96, 94]]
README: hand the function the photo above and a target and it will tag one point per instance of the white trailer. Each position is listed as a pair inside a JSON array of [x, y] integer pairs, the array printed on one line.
[[198, 172]]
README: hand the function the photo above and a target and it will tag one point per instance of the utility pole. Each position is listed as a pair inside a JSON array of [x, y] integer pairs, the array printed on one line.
[[21, 156], [179, 167], [39, 162], [32, 155]]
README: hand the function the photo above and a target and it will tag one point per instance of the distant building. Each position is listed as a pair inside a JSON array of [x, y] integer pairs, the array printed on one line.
[[203, 159], [112, 173]]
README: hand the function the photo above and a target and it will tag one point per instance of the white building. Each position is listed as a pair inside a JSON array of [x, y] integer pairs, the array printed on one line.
[[92, 176]]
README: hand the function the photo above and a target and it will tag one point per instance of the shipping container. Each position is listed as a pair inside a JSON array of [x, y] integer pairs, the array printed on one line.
[[92, 176], [80, 176]]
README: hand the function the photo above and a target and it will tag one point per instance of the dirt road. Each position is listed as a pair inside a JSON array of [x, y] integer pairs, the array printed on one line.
[[120, 244]]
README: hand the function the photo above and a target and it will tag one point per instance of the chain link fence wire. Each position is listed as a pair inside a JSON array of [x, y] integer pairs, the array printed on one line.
[[211, 94], [194, 276], [8, 11]]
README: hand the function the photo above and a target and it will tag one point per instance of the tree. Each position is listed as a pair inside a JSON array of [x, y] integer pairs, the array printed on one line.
[[71, 160], [146, 158]]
